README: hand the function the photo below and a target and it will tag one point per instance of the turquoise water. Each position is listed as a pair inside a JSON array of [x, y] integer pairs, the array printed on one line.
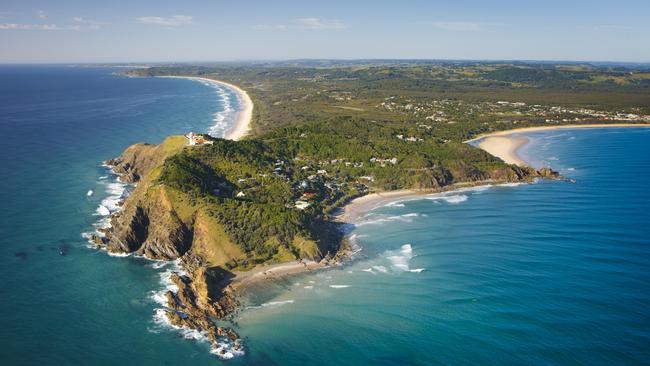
[[548, 273], [61, 302]]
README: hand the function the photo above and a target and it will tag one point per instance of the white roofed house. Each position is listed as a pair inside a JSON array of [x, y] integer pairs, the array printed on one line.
[[198, 139]]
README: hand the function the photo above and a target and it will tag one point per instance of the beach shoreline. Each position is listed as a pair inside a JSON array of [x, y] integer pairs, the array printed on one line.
[[558, 127], [246, 279], [241, 127], [359, 207], [503, 145], [506, 144]]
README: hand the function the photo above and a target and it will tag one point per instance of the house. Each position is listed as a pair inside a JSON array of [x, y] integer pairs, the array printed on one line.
[[301, 205], [241, 194], [197, 139]]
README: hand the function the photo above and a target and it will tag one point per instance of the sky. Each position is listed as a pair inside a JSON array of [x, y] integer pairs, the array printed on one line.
[[79, 31]]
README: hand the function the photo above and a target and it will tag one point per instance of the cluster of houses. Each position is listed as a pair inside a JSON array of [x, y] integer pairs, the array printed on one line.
[[317, 185], [442, 111]]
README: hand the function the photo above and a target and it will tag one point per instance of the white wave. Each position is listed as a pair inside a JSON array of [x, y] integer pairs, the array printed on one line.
[[416, 270], [510, 184], [571, 169], [159, 264], [354, 243], [277, 303], [121, 255], [482, 188], [395, 204], [339, 286], [223, 348], [223, 119], [367, 270], [400, 260], [166, 283], [103, 210], [381, 269], [103, 177], [379, 219], [89, 193], [116, 192], [455, 198]]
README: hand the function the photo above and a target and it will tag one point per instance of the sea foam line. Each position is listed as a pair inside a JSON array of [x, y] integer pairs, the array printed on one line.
[[225, 118]]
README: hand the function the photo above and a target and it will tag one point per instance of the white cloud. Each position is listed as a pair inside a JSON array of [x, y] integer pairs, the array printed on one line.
[[86, 25], [303, 23], [458, 26], [41, 14], [317, 23], [17, 26], [173, 21]]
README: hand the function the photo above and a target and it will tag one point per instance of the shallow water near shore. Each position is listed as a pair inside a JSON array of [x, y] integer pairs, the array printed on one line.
[[548, 273], [63, 303]]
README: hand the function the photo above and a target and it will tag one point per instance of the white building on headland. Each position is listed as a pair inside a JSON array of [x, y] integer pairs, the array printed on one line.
[[196, 139]]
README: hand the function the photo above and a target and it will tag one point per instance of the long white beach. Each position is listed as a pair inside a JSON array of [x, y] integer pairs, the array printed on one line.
[[241, 127]]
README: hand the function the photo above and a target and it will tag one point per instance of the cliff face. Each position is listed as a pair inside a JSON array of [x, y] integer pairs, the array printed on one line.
[[461, 172], [158, 222], [148, 224]]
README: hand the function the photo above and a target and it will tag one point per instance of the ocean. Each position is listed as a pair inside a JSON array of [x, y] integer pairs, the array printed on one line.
[[546, 273]]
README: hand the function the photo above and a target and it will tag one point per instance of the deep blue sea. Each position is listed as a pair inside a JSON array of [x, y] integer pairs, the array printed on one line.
[[548, 273]]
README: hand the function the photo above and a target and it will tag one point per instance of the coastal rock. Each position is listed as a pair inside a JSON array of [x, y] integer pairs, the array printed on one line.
[[129, 230], [549, 173], [134, 162]]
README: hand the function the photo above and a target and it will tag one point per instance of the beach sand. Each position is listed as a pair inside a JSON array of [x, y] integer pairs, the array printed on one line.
[[241, 127], [505, 147], [263, 273], [502, 144], [358, 207], [505, 144]]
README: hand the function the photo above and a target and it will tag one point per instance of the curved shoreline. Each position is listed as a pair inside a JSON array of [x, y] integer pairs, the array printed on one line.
[[505, 144], [505, 147], [241, 127]]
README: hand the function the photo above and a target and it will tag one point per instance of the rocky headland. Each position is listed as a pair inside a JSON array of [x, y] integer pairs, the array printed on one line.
[[160, 221]]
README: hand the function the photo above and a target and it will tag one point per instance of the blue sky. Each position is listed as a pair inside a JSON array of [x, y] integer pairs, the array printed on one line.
[[213, 30]]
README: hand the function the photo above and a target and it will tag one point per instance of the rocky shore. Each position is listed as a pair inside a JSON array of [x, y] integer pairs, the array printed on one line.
[[148, 226], [156, 223]]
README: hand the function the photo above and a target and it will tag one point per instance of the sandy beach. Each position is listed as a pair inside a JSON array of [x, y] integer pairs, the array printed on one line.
[[505, 144], [505, 147], [241, 127], [358, 207], [502, 144], [272, 272]]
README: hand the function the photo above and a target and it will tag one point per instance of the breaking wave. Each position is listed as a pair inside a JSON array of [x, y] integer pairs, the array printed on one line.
[[395, 261], [223, 119], [378, 219]]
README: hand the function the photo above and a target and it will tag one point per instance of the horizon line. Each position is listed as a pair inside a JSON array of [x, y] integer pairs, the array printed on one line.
[[371, 59]]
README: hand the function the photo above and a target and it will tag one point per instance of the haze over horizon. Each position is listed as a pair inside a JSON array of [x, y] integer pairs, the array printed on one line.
[[75, 31]]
